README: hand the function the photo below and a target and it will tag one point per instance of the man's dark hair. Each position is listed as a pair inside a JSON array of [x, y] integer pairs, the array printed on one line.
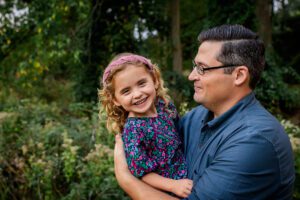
[[241, 46]]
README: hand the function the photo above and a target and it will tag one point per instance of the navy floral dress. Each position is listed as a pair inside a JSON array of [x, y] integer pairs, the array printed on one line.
[[152, 144]]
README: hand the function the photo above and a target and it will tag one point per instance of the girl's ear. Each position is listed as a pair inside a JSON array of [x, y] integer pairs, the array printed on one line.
[[241, 75], [116, 102], [156, 84]]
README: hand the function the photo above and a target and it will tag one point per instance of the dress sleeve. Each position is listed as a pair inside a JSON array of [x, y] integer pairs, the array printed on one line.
[[139, 163], [174, 114]]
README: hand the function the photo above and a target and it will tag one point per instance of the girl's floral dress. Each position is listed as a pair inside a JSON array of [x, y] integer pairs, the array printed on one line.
[[152, 144]]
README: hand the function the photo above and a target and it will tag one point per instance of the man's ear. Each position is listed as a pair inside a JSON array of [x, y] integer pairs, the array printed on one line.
[[241, 75]]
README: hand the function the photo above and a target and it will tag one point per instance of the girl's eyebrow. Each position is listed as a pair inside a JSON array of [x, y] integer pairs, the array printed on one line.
[[142, 79]]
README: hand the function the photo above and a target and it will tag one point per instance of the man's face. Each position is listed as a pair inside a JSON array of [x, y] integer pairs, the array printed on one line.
[[212, 89]]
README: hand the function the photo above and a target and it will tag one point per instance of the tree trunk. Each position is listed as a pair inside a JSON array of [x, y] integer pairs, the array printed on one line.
[[176, 43], [264, 18]]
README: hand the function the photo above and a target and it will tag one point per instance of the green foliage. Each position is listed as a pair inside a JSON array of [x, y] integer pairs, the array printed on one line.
[[52, 152], [286, 31], [44, 43], [273, 90], [180, 89], [294, 133], [229, 12]]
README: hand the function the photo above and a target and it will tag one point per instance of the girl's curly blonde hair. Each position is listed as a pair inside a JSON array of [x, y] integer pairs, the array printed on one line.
[[117, 115]]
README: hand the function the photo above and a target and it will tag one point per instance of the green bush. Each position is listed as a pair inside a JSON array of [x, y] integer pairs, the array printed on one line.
[[279, 89], [294, 133], [52, 152], [180, 89]]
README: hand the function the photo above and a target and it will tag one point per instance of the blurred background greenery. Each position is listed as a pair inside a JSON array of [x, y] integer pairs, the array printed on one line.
[[53, 142]]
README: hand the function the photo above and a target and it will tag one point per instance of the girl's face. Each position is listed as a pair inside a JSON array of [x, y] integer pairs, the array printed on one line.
[[135, 91]]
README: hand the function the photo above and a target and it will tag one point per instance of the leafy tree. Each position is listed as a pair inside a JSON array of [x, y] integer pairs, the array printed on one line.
[[43, 45]]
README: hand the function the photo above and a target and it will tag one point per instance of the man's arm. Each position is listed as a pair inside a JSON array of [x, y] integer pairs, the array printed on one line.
[[244, 168], [134, 187]]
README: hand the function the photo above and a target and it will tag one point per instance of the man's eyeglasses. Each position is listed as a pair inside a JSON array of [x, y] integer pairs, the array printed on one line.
[[200, 69]]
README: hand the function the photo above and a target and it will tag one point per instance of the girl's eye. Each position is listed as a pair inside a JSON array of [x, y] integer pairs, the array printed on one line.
[[142, 83], [125, 92]]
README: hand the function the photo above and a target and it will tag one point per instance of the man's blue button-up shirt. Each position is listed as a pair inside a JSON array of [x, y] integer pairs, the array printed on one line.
[[242, 154]]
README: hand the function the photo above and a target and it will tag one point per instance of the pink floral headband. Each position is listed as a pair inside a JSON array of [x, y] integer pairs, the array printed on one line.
[[123, 60]]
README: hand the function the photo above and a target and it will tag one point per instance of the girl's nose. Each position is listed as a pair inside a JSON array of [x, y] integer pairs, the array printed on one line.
[[137, 94]]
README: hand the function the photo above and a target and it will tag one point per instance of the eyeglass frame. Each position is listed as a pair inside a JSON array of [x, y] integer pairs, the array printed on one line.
[[201, 70]]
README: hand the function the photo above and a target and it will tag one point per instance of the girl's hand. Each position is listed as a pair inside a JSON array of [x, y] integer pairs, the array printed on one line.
[[182, 187]]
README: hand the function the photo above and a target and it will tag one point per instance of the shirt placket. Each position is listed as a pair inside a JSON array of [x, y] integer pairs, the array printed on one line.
[[205, 134]]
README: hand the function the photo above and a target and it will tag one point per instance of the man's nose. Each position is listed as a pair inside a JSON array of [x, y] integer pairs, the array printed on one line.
[[193, 75]]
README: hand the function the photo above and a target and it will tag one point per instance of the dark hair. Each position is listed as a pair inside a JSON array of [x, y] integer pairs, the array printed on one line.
[[241, 46]]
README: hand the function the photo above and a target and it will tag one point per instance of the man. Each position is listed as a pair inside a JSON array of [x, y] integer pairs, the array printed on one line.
[[234, 148]]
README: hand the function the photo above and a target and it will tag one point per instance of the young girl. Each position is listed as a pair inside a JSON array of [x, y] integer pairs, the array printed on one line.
[[137, 105]]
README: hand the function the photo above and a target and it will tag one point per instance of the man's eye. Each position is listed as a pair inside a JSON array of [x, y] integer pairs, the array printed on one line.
[[201, 66]]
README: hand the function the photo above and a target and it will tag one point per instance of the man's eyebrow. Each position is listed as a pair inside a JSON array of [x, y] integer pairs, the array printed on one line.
[[200, 63]]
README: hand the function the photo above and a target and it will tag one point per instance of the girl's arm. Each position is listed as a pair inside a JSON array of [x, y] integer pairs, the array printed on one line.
[[181, 188], [134, 187]]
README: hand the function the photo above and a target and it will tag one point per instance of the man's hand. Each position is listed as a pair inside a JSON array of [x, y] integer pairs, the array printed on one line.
[[119, 156]]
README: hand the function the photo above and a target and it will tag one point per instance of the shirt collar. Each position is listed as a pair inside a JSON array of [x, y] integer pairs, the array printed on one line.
[[230, 113]]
